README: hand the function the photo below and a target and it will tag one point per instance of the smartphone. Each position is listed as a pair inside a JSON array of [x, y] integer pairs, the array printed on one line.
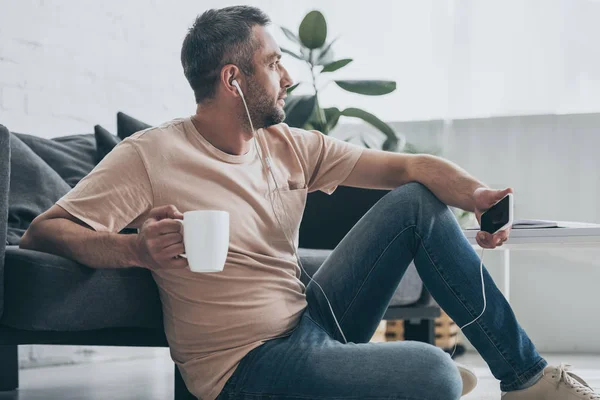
[[499, 216]]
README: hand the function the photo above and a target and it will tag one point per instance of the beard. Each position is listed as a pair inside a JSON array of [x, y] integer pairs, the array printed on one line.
[[263, 109]]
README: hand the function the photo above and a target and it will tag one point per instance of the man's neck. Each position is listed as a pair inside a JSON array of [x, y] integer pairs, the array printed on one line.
[[223, 131]]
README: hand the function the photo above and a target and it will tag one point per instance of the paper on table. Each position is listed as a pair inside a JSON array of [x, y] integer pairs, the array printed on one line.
[[544, 224], [534, 223], [530, 224]]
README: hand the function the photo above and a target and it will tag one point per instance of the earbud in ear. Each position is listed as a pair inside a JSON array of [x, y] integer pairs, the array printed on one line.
[[237, 85]]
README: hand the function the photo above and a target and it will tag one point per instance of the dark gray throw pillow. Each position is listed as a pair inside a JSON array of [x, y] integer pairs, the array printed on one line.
[[105, 142], [34, 188], [127, 126], [72, 157]]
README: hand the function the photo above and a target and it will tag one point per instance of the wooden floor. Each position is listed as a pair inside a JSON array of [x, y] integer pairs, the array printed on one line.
[[152, 379]]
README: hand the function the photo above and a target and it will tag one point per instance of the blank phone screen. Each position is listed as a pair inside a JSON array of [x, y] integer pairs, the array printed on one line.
[[496, 217]]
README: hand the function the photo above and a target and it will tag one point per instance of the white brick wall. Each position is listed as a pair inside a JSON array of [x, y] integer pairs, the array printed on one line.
[[74, 63], [68, 65], [65, 66]]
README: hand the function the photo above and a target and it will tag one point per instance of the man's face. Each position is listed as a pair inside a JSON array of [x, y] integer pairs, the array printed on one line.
[[267, 87]]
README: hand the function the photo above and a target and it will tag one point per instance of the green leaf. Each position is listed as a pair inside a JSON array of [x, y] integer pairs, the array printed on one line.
[[313, 30], [306, 54], [373, 120], [315, 125], [309, 55], [411, 149], [390, 144], [332, 115], [291, 35], [318, 60], [298, 109], [313, 56], [291, 88], [291, 53], [326, 55], [369, 88], [365, 143], [334, 66]]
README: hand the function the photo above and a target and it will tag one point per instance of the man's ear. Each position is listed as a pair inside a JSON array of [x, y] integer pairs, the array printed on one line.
[[229, 73]]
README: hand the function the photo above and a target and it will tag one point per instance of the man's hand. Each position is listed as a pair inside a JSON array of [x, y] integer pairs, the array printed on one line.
[[160, 240], [484, 198]]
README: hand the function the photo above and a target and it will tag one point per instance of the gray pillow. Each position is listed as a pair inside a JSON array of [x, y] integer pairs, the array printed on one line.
[[127, 126], [34, 188], [72, 157], [105, 142]]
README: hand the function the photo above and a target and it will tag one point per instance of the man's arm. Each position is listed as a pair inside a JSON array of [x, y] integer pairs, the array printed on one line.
[[58, 232], [450, 183], [378, 169], [455, 187], [155, 246]]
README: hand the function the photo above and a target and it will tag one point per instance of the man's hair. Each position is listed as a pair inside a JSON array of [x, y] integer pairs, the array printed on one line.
[[219, 37]]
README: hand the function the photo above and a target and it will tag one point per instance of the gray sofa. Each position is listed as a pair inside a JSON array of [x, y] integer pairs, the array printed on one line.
[[47, 299]]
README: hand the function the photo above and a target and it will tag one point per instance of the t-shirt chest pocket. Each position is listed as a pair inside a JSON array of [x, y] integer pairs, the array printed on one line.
[[289, 207]]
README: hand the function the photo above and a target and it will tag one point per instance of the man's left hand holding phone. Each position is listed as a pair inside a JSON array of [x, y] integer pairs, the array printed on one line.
[[485, 199]]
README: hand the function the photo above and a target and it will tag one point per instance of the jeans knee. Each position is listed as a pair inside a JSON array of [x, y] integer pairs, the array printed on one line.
[[413, 191], [415, 196], [441, 376]]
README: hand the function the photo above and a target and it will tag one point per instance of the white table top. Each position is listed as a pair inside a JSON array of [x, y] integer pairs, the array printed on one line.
[[573, 234]]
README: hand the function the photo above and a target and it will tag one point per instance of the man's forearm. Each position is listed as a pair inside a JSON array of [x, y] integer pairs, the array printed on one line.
[[91, 248], [450, 183]]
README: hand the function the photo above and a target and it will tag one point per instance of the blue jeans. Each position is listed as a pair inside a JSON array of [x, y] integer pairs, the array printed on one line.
[[360, 277]]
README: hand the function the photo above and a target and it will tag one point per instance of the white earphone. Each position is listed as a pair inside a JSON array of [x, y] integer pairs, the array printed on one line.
[[239, 89], [269, 168]]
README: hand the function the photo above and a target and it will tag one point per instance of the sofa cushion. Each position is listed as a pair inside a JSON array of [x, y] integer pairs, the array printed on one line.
[[328, 219], [72, 157], [408, 291], [34, 187], [410, 288], [105, 142], [311, 260], [48, 292], [127, 126]]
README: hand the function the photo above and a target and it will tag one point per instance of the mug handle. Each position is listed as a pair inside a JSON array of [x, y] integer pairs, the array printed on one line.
[[183, 225]]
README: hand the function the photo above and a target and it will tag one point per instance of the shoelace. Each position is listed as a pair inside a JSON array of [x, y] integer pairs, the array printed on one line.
[[574, 381]]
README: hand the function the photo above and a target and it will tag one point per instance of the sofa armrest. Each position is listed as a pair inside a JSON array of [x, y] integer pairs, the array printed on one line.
[[4, 185]]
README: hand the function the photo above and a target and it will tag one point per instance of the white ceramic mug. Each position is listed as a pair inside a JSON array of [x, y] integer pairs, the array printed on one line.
[[206, 239]]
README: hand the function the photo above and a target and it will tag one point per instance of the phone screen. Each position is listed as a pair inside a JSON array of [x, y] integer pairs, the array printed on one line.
[[496, 217]]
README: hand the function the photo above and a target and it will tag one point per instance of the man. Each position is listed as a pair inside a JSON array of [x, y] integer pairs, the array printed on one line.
[[253, 330]]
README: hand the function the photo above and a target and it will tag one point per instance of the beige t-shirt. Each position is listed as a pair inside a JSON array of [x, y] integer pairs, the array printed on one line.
[[212, 320]]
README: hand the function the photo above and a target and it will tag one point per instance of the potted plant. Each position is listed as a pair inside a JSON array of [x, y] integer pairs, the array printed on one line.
[[305, 111]]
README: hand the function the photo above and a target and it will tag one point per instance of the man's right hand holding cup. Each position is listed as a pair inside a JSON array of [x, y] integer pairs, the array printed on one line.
[[160, 240]]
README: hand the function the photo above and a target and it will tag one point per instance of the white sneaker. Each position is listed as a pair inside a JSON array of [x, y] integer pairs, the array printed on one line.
[[556, 384], [468, 377]]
